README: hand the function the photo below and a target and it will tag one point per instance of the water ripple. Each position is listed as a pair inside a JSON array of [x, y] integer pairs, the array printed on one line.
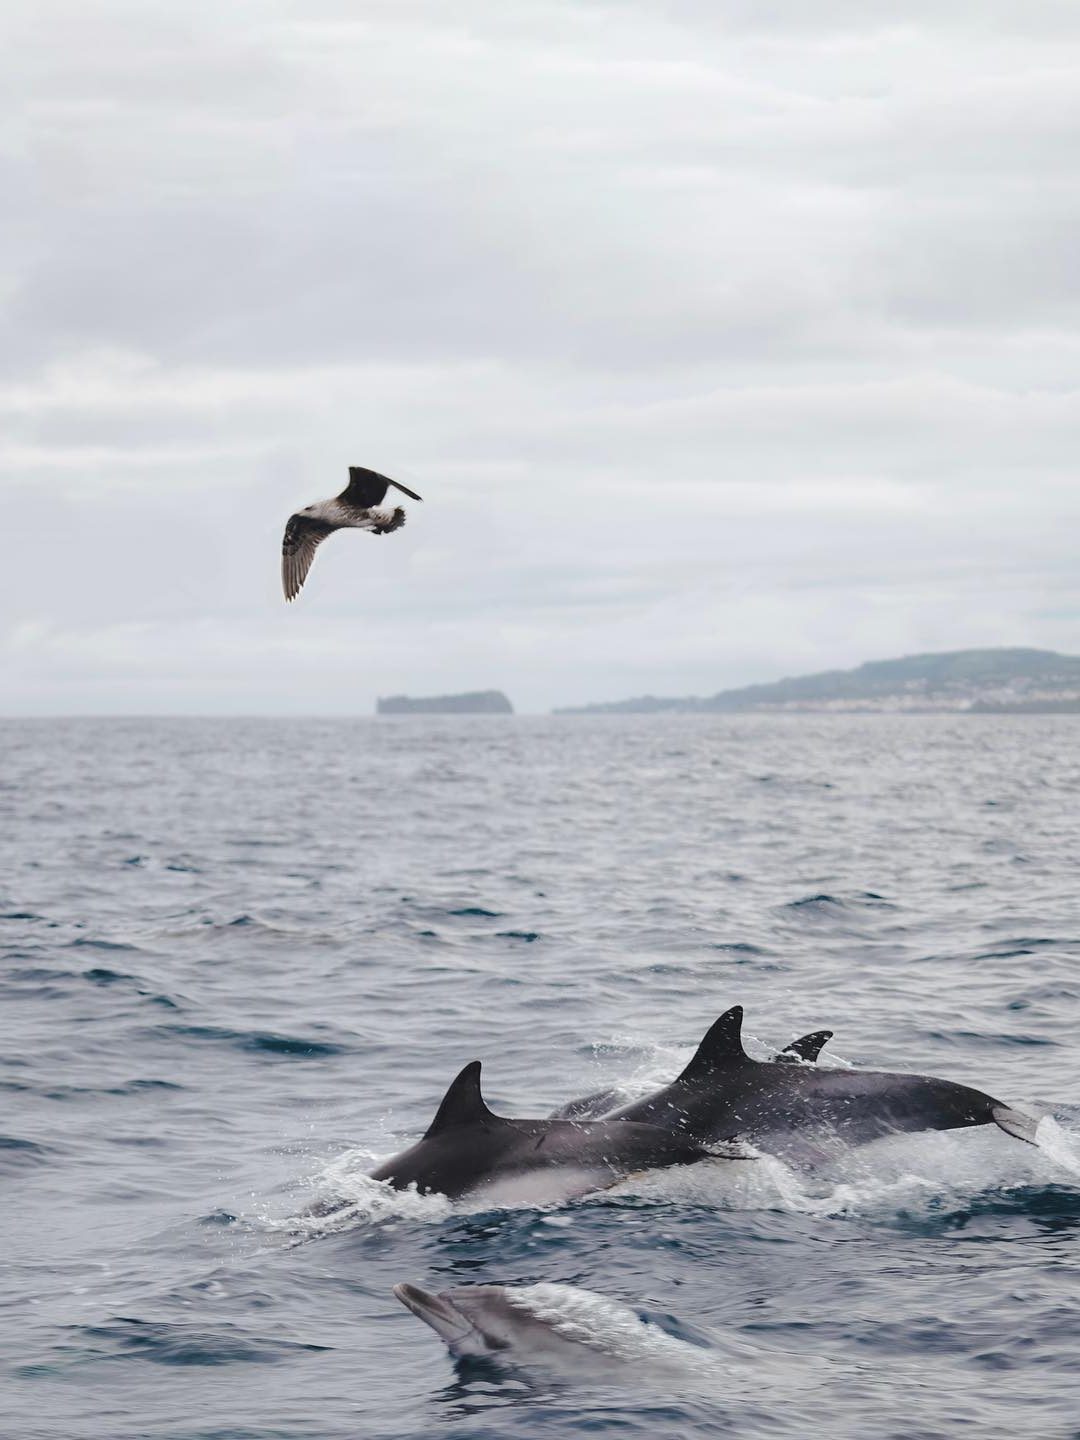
[[224, 1004]]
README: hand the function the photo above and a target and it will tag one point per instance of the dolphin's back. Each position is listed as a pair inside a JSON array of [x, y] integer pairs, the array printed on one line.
[[861, 1105], [754, 1100], [620, 1145]]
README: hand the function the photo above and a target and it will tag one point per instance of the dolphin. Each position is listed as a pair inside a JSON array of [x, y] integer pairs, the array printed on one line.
[[806, 1047], [723, 1094], [467, 1149], [549, 1324], [603, 1102], [593, 1106]]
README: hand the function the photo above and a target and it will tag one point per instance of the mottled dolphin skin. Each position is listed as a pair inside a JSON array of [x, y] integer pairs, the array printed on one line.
[[467, 1149], [603, 1102], [723, 1094]]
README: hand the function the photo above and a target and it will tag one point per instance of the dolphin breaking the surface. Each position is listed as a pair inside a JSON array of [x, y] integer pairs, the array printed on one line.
[[467, 1149], [723, 1094], [550, 1325]]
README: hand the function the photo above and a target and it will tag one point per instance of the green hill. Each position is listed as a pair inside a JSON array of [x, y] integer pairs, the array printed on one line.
[[973, 681]]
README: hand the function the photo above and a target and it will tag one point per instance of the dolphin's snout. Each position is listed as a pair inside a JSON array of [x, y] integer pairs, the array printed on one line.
[[435, 1310], [410, 1295]]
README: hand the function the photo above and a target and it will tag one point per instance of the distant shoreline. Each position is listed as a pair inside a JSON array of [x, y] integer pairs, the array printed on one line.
[[955, 682]]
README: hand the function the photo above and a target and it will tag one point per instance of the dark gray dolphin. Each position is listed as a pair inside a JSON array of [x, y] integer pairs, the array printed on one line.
[[603, 1102], [723, 1094], [467, 1149]]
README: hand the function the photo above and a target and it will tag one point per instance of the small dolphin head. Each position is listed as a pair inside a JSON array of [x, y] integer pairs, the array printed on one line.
[[472, 1319]]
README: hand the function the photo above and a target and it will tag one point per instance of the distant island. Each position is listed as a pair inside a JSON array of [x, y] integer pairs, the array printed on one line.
[[475, 702], [977, 682]]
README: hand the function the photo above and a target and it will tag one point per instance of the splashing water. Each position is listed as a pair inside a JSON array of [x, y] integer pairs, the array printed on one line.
[[1061, 1145]]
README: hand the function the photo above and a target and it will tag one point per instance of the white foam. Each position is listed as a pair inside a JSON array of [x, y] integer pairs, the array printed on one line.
[[1061, 1146], [891, 1176], [343, 1195]]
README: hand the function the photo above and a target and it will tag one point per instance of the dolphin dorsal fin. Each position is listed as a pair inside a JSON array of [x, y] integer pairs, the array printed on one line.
[[807, 1047], [462, 1104], [722, 1046]]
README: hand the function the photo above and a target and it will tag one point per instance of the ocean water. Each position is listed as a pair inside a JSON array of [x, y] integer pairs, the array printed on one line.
[[243, 959]]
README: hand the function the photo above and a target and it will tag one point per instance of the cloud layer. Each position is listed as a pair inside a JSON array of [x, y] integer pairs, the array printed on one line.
[[723, 341]]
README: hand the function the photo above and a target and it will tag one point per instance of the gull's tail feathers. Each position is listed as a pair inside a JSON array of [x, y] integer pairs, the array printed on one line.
[[396, 521]]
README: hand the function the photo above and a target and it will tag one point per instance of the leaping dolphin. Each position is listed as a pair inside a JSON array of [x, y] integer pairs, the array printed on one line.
[[467, 1149], [604, 1102], [724, 1094]]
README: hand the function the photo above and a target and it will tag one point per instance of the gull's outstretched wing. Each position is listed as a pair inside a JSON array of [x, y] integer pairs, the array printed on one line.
[[302, 538], [367, 488]]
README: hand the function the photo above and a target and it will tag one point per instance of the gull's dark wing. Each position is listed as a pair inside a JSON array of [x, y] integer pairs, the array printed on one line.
[[367, 488], [302, 538]]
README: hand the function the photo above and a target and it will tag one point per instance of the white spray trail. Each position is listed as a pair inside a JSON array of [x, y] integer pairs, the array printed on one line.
[[1059, 1145]]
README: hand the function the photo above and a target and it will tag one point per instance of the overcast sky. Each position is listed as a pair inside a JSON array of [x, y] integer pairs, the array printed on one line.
[[725, 339]]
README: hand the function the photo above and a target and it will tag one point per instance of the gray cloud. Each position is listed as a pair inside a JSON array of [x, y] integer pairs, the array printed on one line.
[[723, 341]]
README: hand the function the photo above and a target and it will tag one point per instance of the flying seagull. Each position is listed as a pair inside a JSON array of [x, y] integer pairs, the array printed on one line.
[[354, 509]]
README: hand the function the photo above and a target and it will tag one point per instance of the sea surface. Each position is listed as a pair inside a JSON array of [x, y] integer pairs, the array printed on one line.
[[242, 960]]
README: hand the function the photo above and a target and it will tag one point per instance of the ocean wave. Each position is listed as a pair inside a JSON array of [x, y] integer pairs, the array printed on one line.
[[162, 1343], [18, 1153], [264, 1041], [85, 942]]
